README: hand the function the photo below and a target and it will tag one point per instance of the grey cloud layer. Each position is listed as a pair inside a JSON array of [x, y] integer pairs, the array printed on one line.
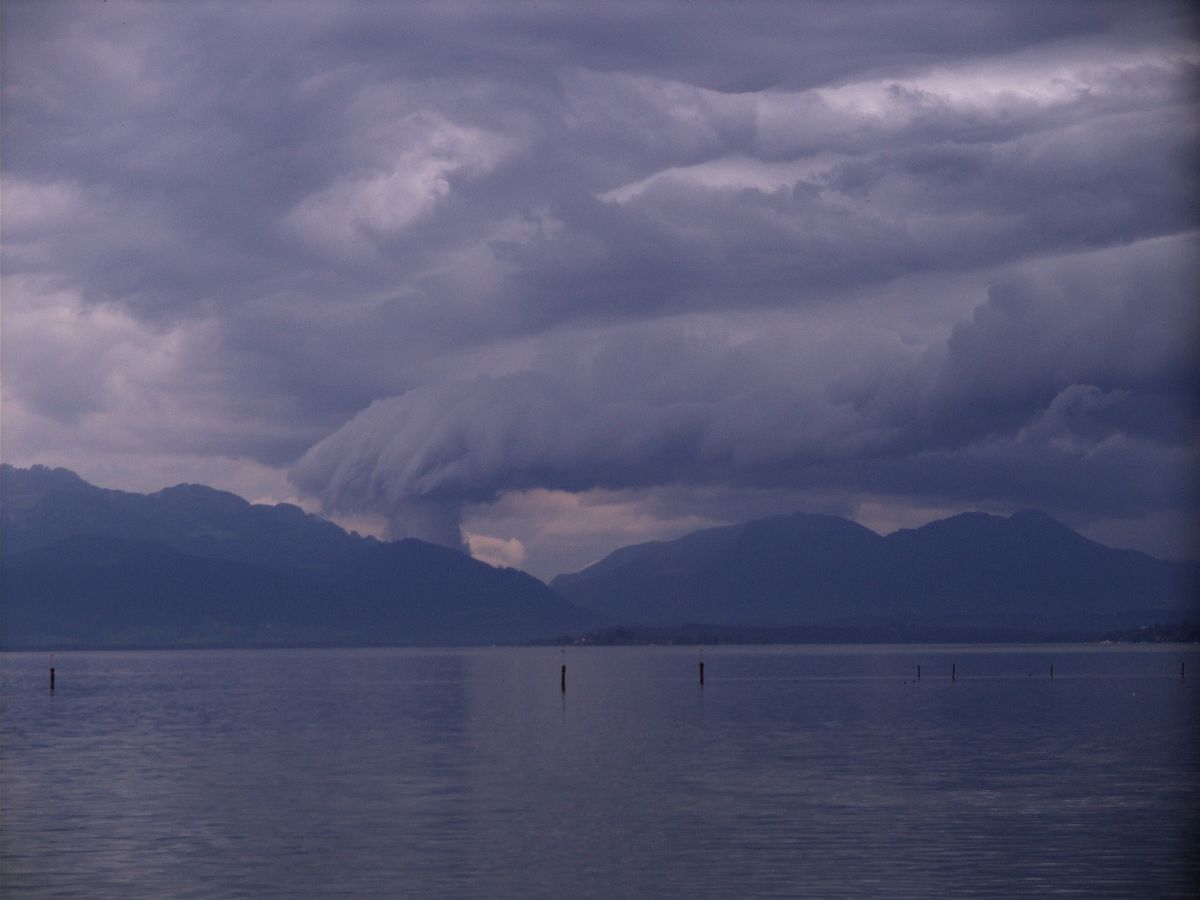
[[1074, 388], [243, 159], [298, 231]]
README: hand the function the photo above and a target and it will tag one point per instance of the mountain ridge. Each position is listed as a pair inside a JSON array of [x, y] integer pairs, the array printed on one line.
[[192, 518], [83, 566], [190, 565], [1026, 570]]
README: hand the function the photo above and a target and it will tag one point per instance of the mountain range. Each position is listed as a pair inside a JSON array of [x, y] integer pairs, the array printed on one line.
[[1026, 571], [83, 566]]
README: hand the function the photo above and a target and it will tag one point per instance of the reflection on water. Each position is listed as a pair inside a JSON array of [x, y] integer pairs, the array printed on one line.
[[793, 771]]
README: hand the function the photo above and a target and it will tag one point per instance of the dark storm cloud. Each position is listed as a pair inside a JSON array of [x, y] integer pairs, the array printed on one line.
[[210, 130], [443, 251], [1072, 390], [950, 202]]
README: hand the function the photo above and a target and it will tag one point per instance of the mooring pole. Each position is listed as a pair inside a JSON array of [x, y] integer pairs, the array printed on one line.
[[918, 671], [1051, 670], [562, 681], [953, 671], [701, 667], [52, 671]]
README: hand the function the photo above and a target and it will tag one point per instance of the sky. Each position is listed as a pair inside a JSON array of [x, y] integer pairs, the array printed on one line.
[[544, 279]]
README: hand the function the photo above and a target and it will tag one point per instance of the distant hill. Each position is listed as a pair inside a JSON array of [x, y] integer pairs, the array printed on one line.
[[40, 506], [1024, 572], [82, 566]]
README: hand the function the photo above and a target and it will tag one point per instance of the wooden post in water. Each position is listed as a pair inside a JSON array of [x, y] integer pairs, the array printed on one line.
[[562, 681], [918, 671], [1052, 671], [51, 672], [1181, 665], [701, 667], [953, 671]]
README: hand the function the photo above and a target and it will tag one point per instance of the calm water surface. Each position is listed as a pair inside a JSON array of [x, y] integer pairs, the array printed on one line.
[[798, 771]]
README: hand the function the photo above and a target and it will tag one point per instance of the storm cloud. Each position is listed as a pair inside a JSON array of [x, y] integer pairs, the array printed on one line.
[[427, 265], [1074, 385]]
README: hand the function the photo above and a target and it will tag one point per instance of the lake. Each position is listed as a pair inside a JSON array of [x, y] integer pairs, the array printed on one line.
[[794, 771]]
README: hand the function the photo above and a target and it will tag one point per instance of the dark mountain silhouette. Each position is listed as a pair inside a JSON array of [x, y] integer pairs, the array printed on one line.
[[192, 566], [739, 574], [973, 570], [41, 506]]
